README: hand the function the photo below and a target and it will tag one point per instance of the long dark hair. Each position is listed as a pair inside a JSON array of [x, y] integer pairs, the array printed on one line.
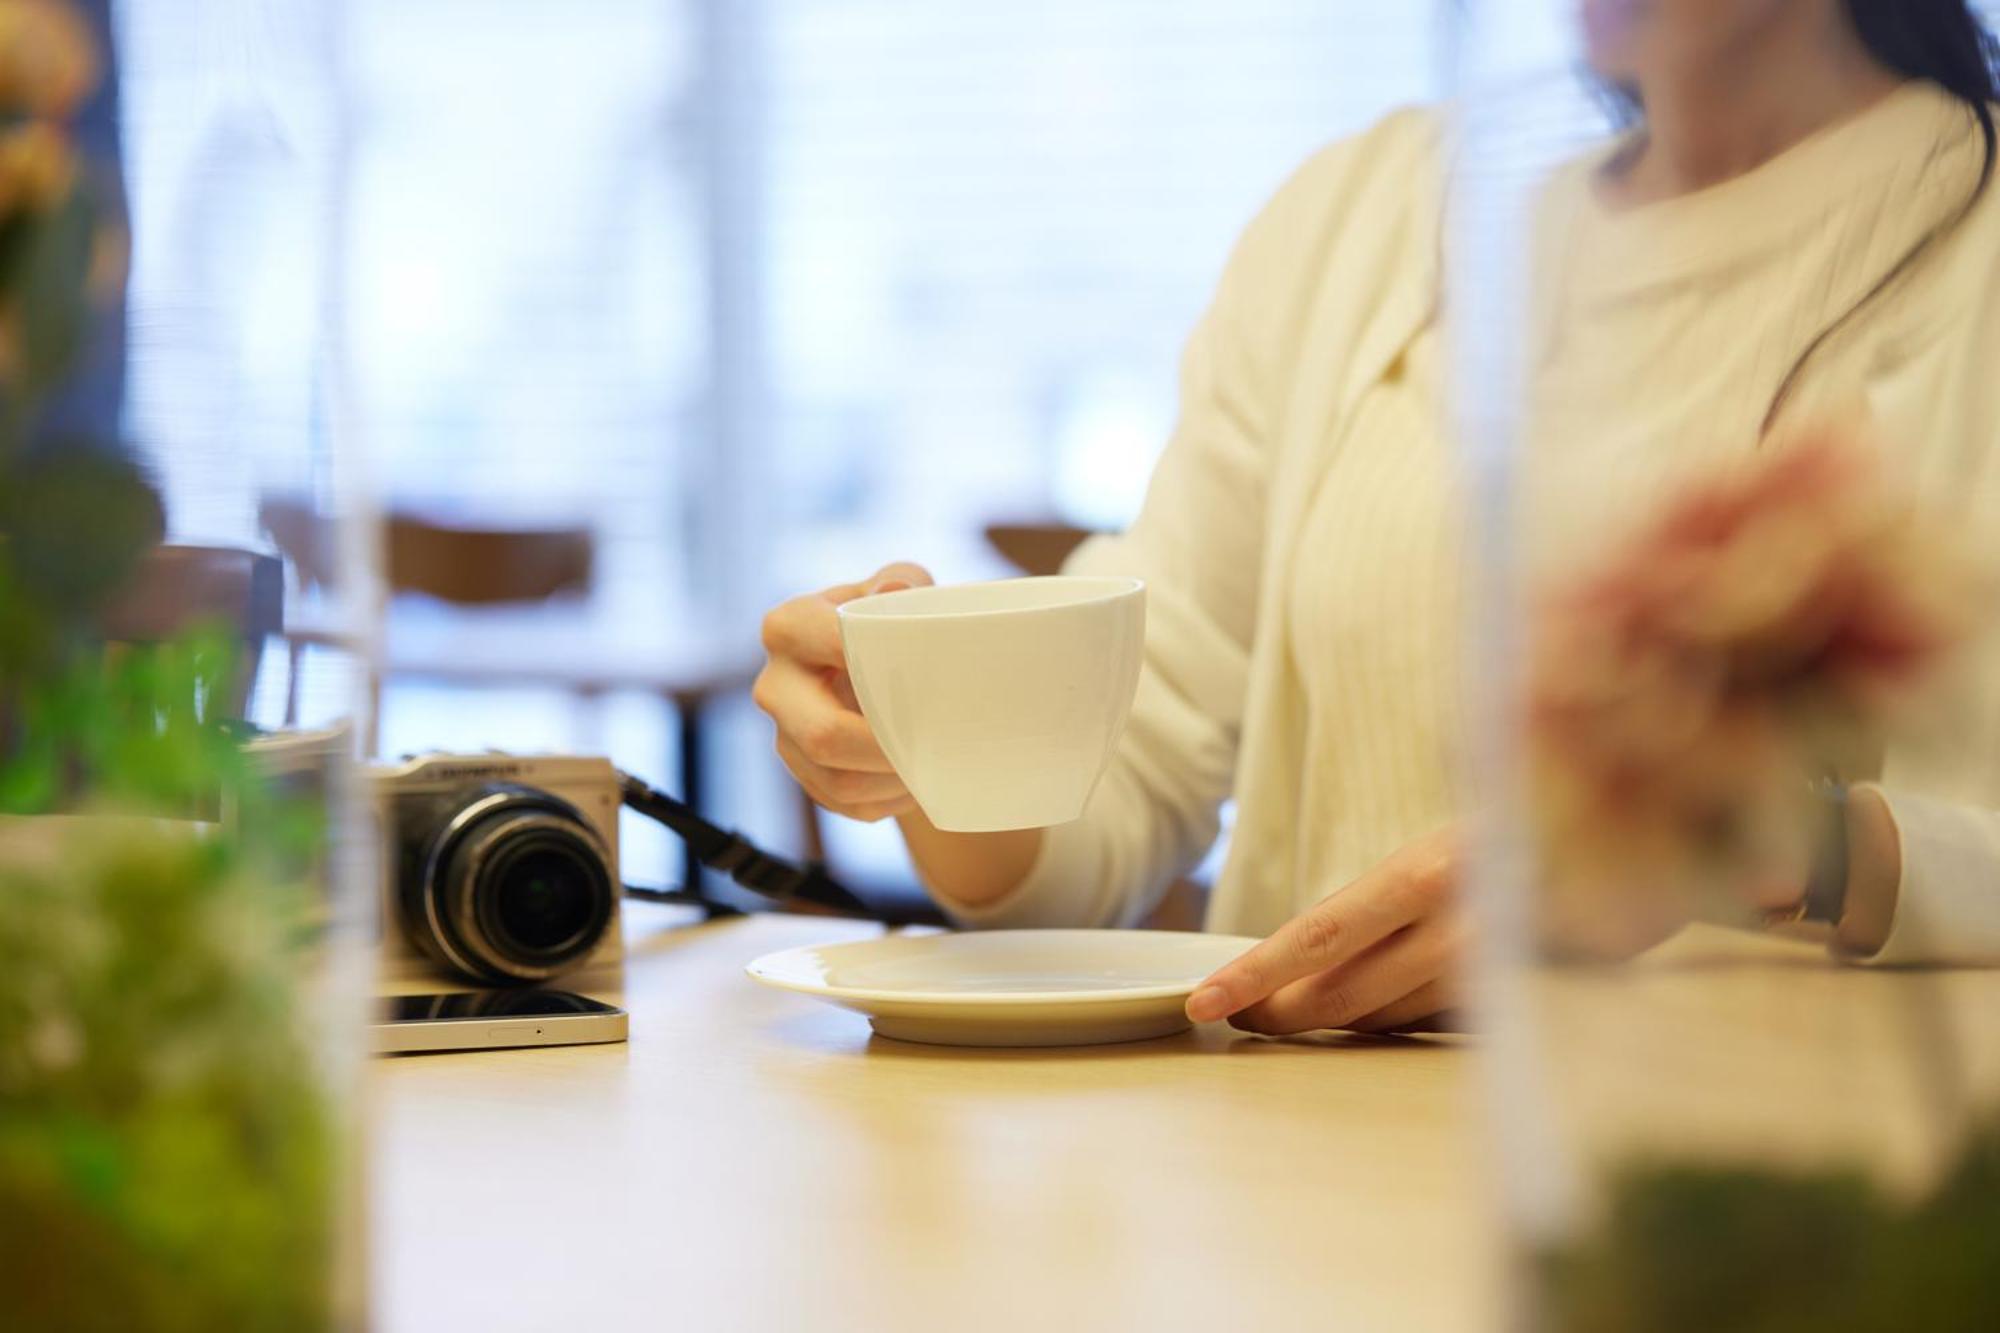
[[1943, 41], [1946, 43]]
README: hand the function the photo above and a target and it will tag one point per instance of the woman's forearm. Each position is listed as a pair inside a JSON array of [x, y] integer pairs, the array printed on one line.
[[970, 870]]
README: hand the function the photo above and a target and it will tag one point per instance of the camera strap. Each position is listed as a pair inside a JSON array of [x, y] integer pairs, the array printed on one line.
[[733, 855]]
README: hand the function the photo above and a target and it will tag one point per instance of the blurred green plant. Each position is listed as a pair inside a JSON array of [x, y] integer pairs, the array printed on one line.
[[167, 1147], [1740, 1250], [166, 1143]]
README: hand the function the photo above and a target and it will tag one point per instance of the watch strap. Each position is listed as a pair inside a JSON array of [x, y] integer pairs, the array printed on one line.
[[1826, 888], [1825, 896]]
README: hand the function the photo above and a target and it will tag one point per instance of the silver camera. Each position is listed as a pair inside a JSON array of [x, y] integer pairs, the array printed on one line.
[[502, 869]]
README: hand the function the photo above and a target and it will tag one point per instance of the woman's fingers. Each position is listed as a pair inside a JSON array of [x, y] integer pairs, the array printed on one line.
[[813, 719], [864, 796], [1429, 1008], [806, 630], [1402, 889], [822, 736], [897, 574], [828, 748], [1380, 981]]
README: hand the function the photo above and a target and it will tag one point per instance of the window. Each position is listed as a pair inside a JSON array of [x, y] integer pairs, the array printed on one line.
[[769, 290], [991, 227]]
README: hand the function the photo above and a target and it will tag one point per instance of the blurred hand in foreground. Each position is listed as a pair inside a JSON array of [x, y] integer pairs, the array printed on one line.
[[1764, 632]]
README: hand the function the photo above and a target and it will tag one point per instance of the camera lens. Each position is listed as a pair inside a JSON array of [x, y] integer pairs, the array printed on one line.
[[517, 887], [539, 896]]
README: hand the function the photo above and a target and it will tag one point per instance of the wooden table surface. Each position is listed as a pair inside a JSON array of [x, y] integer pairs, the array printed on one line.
[[756, 1160]]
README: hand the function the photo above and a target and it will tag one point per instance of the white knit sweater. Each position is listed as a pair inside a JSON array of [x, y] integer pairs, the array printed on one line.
[[1302, 536]]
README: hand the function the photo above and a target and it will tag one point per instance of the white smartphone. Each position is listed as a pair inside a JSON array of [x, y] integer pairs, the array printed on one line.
[[486, 1020]]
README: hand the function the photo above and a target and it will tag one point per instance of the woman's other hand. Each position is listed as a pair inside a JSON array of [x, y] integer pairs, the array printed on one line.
[[822, 737], [1380, 955]]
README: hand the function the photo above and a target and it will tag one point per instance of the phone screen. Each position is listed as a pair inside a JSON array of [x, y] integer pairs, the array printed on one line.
[[526, 1003]]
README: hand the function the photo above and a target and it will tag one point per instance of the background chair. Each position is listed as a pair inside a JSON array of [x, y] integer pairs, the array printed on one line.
[[175, 589], [1035, 548], [483, 607], [455, 565], [486, 566]]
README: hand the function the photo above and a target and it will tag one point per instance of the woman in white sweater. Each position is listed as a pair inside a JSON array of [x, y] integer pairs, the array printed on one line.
[[1798, 227]]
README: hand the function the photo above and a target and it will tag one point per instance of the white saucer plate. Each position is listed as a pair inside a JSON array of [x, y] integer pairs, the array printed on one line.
[[1010, 987]]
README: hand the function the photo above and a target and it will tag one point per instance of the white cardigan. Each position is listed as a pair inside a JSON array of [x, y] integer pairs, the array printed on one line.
[[1328, 286]]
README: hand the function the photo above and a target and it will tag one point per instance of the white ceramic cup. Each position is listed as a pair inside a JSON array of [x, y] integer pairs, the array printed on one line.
[[998, 703]]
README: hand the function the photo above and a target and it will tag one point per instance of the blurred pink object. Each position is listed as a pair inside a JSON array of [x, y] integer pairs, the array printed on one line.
[[1761, 632]]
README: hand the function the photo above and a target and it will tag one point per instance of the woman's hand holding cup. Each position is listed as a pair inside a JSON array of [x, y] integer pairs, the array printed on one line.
[[1001, 701], [822, 736]]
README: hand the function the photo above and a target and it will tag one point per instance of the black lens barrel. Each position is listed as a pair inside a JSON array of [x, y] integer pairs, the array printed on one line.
[[517, 887]]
